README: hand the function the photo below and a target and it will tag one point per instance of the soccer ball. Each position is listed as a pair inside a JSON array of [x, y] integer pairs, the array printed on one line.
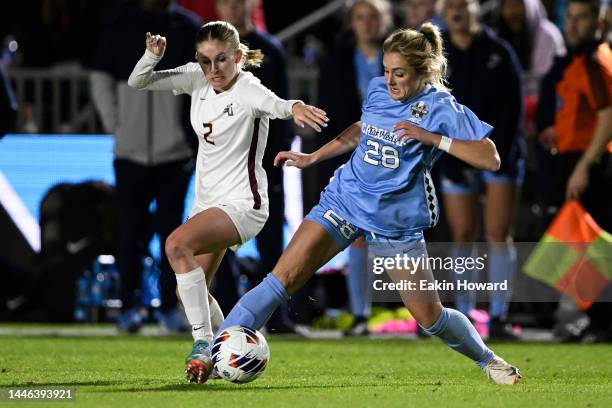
[[240, 354]]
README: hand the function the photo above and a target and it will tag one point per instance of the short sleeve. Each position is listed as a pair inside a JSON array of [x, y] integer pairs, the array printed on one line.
[[457, 121]]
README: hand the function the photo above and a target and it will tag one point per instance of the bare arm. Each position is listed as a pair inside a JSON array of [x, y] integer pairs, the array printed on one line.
[[481, 154], [344, 142], [579, 180]]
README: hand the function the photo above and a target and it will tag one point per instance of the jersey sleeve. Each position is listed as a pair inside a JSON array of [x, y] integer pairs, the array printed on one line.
[[179, 80], [264, 102], [457, 121]]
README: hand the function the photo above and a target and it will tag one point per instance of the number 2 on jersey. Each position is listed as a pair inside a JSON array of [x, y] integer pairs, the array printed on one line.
[[207, 133], [389, 157]]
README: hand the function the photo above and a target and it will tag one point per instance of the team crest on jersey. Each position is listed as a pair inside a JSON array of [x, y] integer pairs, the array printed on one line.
[[229, 110], [419, 111]]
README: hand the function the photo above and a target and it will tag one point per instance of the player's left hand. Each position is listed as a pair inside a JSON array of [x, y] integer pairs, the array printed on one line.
[[309, 115], [406, 130], [578, 182]]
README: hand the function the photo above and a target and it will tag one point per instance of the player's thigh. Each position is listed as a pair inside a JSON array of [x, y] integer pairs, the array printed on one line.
[[208, 231], [210, 263], [309, 249], [462, 214], [499, 210]]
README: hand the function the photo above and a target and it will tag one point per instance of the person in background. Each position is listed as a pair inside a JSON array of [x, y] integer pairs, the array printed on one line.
[[574, 119], [273, 75], [417, 12], [153, 158], [537, 42], [478, 59], [345, 75], [208, 11]]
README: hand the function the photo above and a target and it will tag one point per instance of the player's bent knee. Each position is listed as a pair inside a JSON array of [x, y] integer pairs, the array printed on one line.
[[176, 249]]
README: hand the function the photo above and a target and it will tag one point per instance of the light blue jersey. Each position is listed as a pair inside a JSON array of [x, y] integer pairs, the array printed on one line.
[[386, 187]]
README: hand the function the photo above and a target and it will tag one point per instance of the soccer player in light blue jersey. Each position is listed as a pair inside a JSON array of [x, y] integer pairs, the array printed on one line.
[[385, 193]]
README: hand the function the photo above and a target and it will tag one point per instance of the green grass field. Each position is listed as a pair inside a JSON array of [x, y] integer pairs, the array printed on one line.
[[147, 372]]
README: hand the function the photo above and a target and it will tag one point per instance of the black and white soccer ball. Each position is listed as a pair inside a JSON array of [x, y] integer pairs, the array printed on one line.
[[240, 354]]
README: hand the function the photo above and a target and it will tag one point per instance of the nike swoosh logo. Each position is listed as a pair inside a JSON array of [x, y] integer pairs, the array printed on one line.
[[197, 328], [76, 246], [202, 99]]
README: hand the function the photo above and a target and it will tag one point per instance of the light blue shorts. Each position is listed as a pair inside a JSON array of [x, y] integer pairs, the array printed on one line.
[[344, 233]]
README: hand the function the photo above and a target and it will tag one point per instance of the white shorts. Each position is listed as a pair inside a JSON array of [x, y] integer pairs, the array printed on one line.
[[246, 219]]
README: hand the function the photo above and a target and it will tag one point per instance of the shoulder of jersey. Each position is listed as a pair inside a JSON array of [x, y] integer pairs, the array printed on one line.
[[247, 78]]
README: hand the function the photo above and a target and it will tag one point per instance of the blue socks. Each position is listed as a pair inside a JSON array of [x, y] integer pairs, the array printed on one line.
[[358, 282], [502, 266], [257, 305], [454, 329], [465, 300]]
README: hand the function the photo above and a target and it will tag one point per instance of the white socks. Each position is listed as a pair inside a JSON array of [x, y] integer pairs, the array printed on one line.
[[194, 295], [216, 315]]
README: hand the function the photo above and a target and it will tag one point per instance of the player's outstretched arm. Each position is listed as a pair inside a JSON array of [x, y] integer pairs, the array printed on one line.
[[345, 142], [143, 75], [481, 154]]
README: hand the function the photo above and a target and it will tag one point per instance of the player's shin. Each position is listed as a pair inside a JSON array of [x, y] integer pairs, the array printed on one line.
[[257, 305], [216, 314], [456, 330], [194, 295]]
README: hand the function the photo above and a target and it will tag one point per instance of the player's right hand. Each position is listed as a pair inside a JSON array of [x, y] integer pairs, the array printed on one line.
[[156, 44], [294, 159]]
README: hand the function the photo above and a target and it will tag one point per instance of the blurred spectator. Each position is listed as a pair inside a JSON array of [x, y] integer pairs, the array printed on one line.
[[8, 102], [207, 10], [575, 112], [273, 75], [533, 37], [537, 42], [575, 120], [153, 160], [417, 12], [484, 74], [355, 60]]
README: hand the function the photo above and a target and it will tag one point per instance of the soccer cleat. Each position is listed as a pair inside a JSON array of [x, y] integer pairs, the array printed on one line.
[[501, 330], [129, 321], [198, 364], [360, 328], [500, 372], [173, 321]]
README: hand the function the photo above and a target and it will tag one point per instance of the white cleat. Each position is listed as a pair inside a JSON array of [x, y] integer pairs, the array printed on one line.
[[501, 372]]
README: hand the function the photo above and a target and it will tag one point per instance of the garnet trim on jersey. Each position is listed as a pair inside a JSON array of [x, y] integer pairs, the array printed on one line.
[[251, 166]]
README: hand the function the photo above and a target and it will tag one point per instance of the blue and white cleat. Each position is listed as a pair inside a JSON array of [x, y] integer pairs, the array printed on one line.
[[198, 364], [500, 372]]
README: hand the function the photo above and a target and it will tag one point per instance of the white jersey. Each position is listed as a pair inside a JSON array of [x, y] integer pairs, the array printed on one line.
[[232, 128]]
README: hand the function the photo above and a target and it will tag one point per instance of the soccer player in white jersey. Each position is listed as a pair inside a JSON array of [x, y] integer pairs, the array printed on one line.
[[385, 193], [230, 112]]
